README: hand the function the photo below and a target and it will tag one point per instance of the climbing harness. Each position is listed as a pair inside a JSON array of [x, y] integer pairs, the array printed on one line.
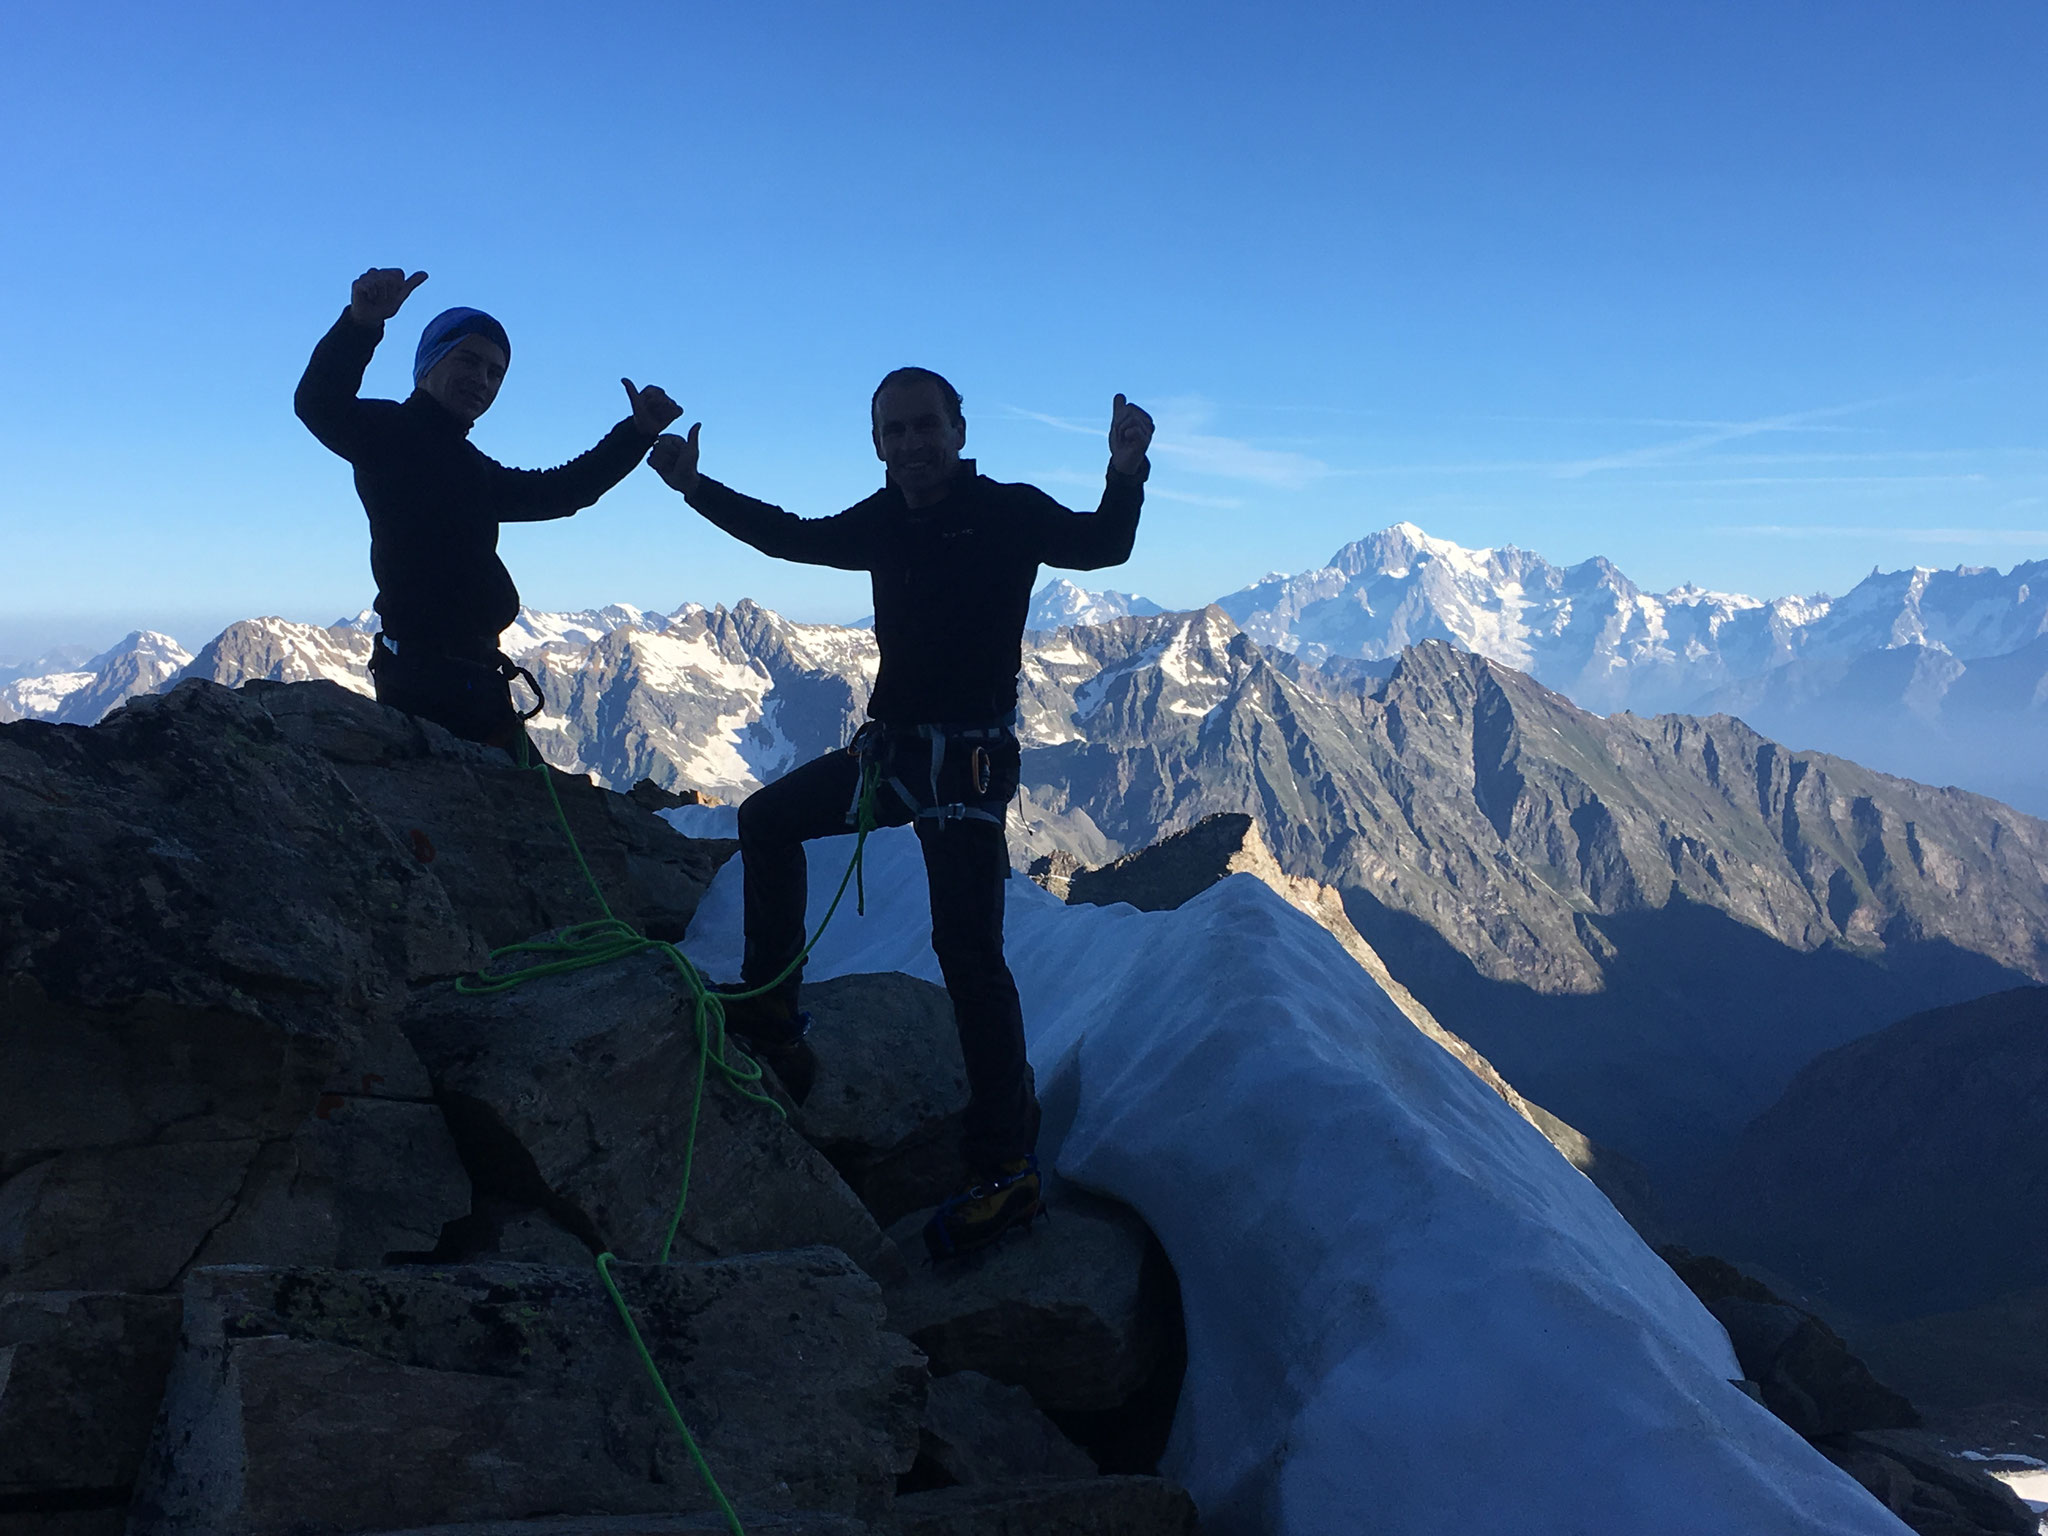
[[878, 747], [465, 687], [610, 938]]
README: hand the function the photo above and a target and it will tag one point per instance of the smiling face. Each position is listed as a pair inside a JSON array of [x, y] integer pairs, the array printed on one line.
[[917, 436], [466, 381]]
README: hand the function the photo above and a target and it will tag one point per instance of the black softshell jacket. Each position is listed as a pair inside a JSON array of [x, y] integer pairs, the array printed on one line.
[[434, 499], [952, 582]]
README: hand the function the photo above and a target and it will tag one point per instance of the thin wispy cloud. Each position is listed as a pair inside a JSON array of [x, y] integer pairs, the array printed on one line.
[[1162, 493], [1912, 535], [1698, 480], [1181, 443], [1154, 491], [1712, 437]]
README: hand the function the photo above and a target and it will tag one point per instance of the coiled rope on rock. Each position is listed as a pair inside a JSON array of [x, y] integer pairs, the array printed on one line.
[[609, 939]]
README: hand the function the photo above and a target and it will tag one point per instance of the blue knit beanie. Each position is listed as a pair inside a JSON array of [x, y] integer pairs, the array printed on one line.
[[444, 334]]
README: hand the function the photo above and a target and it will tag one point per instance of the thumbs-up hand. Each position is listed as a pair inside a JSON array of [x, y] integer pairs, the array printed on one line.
[[1130, 435]]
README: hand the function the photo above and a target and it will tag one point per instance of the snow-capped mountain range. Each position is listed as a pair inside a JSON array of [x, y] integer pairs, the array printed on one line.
[[1595, 636], [1935, 674]]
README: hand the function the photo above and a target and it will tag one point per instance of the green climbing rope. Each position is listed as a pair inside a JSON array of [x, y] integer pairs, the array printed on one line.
[[609, 939]]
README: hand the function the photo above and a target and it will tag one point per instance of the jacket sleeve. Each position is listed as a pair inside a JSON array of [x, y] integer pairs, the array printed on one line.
[[1085, 541], [537, 495], [326, 397], [840, 541]]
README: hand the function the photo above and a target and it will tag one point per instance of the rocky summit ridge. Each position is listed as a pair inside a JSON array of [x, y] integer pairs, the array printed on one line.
[[296, 1236]]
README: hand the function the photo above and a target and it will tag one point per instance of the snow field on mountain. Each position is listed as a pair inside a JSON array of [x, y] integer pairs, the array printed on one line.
[[40, 698], [1406, 1313]]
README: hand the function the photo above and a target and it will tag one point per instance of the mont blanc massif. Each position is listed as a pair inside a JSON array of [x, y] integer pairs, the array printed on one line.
[[1355, 898]]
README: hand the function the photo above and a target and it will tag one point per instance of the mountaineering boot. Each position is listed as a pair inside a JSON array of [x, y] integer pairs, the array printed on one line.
[[772, 1031], [1006, 1203]]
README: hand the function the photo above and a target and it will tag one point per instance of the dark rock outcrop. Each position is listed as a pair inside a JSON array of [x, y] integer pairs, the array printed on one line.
[[488, 830], [503, 1391], [977, 1430], [582, 1085], [1931, 1491], [1071, 1311], [206, 939], [1804, 1371], [891, 1085], [1798, 1367], [1098, 1506], [81, 1374], [806, 1522]]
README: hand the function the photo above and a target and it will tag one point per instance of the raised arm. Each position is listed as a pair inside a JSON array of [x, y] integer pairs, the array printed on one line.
[[1081, 541], [536, 495], [326, 397], [839, 541]]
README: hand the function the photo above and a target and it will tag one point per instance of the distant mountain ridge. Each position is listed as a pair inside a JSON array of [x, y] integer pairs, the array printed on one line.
[[1593, 634], [1940, 675]]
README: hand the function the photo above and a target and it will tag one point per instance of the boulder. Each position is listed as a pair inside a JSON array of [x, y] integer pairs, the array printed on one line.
[[313, 1401], [807, 1522], [977, 1430], [1805, 1374], [891, 1085], [204, 939], [80, 1378], [487, 829], [573, 1092], [1094, 1506], [363, 1182], [67, 1522], [1934, 1493], [1075, 1311]]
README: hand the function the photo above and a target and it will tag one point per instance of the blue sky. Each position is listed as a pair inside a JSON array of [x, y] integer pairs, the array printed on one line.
[[1744, 294]]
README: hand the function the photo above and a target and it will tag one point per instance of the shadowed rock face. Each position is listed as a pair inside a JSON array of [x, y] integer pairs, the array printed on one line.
[[488, 832], [1901, 1175], [890, 1090], [498, 1391], [1072, 1311], [977, 1430], [584, 1082], [207, 938], [81, 1374]]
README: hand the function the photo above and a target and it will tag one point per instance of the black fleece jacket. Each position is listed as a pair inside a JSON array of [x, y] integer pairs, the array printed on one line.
[[952, 581], [435, 500]]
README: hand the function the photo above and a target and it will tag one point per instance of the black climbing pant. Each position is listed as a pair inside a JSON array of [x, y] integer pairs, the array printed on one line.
[[966, 861]]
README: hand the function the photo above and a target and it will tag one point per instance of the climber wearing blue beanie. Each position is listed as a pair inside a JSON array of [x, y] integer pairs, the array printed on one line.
[[445, 332], [435, 500]]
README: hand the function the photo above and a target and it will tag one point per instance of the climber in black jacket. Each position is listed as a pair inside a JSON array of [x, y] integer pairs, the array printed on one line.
[[435, 500], [953, 557]]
